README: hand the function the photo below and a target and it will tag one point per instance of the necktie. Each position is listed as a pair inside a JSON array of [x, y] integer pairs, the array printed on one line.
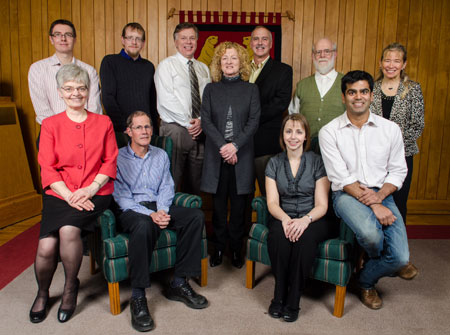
[[195, 93]]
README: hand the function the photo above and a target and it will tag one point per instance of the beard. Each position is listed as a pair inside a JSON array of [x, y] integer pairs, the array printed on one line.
[[324, 68]]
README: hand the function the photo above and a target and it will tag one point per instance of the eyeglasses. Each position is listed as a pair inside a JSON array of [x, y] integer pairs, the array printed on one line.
[[60, 35], [134, 39], [326, 52], [140, 128], [70, 89]]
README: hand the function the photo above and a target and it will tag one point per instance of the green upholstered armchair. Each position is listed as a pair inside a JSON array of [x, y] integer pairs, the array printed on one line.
[[333, 264], [109, 248]]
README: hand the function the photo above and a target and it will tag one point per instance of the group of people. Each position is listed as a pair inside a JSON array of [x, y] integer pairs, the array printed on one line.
[[227, 127]]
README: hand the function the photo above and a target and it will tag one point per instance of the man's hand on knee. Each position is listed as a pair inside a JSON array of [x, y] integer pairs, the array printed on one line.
[[383, 214]]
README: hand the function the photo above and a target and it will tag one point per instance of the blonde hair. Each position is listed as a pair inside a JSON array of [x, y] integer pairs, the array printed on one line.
[[244, 66], [404, 78]]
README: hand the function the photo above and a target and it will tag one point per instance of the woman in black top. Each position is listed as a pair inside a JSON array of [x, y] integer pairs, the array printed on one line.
[[297, 197], [399, 99], [230, 117]]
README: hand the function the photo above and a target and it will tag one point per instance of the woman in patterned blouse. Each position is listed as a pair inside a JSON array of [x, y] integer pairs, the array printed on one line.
[[400, 100]]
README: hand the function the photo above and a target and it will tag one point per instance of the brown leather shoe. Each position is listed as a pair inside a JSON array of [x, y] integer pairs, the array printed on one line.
[[408, 272], [371, 299]]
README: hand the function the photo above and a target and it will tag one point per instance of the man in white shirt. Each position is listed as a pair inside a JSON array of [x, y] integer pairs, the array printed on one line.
[[364, 157], [318, 97], [180, 80], [42, 74]]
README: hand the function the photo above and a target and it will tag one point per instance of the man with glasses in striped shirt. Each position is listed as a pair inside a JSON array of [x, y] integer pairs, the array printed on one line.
[[42, 74]]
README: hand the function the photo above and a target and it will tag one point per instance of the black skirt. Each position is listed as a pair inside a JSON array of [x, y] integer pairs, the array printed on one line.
[[57, 213]]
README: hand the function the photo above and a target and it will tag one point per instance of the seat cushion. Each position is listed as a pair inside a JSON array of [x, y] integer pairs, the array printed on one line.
[[332, 271], [334, 249], [117, 246], [257, 251], [259, 232]]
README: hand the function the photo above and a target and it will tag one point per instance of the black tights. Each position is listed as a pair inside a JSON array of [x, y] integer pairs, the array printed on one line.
[[68, 241]]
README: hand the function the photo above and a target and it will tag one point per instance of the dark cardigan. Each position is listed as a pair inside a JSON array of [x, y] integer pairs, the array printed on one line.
[[243, 98], [128, 86]]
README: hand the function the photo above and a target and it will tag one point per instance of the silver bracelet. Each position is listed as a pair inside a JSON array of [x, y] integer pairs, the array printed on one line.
[[99, 185], [310, 218]]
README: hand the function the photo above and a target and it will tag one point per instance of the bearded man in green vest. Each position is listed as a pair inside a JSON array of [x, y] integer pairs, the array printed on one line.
[[318, 97]]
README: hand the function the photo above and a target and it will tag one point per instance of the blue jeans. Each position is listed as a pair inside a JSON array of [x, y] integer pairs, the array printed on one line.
[[386, 246]]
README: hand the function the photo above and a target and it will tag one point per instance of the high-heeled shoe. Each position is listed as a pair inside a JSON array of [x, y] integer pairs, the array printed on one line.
[[39, 316], [64, 315]]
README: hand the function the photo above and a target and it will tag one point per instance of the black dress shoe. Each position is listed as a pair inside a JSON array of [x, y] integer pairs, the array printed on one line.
[[216, 258], [39, 316], [289, 314], [236, 259], [64, 314], [141, 319], [276, 309], [185, 293]]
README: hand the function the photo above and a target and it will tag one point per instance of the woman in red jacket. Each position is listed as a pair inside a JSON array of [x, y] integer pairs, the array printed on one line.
[[77, 155]]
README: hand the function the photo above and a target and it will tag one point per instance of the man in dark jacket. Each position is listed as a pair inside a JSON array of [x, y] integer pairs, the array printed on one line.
[[274, 80]]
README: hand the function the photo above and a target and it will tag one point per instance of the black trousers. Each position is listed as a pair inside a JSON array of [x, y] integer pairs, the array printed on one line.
[[226, 189], [292, 261], [401, 196], [144, 233]]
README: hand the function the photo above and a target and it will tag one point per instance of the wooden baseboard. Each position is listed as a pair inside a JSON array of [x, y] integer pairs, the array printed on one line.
[[20, 208], [429, 207]]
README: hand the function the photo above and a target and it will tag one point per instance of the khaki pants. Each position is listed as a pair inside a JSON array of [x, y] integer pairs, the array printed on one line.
[[187, 158]]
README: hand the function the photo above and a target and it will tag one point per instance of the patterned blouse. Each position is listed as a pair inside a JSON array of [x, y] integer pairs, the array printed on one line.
[[407, 112]]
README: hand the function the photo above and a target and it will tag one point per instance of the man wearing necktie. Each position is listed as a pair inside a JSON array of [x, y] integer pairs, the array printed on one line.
[[318, 97], [180, 80]]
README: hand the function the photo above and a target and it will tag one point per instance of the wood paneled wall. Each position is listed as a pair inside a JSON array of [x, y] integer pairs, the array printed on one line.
[[361, 29]]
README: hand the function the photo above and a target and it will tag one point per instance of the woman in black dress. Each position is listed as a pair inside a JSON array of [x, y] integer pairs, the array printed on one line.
[[297, 197], [230, 117]]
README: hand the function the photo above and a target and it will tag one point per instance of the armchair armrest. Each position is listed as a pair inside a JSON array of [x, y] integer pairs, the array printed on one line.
[[259, 204], [187, 200], [107, 223]]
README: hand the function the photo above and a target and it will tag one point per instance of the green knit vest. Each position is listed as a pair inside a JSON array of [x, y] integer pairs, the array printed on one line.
[[319, 111]]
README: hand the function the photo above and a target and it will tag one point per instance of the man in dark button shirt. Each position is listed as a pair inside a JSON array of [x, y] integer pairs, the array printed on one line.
[[127, 80]]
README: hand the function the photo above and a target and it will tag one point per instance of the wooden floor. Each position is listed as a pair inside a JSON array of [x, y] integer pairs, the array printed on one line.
[[9, 232]]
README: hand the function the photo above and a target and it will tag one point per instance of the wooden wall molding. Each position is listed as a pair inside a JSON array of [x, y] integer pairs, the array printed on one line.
[[361, 29]]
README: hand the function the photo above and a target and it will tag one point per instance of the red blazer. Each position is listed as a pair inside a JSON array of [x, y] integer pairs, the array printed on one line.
[[76, 152]]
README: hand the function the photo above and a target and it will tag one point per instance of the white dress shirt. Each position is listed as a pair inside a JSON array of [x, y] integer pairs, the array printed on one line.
[[323, 82], [173, 88], [372, 155], [44, 89]]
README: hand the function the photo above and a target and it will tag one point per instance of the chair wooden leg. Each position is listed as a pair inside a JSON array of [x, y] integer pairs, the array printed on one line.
[[250, 277], [339, 301], [204, 275], [93, 267], [114, 298]]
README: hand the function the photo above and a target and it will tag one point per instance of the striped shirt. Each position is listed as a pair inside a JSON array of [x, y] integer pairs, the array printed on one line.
[[44, 89], [143, 179]]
